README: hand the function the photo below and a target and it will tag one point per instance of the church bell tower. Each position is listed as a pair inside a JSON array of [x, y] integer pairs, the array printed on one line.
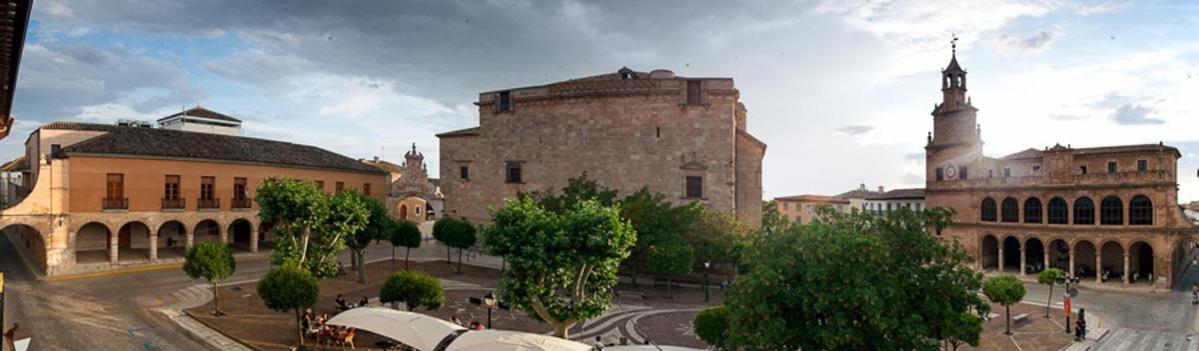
[[956, 137]]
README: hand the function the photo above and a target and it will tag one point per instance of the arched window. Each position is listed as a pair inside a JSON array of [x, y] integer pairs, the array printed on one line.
[[1032, 210], [1084, 211], [1010, 210], [988, 210], [1140, 211], [1111, 211], [1058, 211]]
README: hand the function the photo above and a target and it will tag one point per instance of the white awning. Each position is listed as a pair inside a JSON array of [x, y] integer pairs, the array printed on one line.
[[502, 340], [423, 332], [650, 348]]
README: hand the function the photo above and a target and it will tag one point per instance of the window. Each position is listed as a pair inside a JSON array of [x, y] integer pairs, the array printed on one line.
[[171, 188], [1007, 172], [695, 187], [1142, 165], [116, 186], [786, 206], [694, 92], [366, 189], [239, 189], [1058, 211], [1011, 210], [512, 172], [464, 173], [962, 172], [988, 210], [505, 102], [1036, 168], [207, 188], [1032, 210], [1083, 169], [339, 186], [1140, 211], [1111, 167], [940, 174], [1084, 211], [320, 185], [1111, 211], [990, 173]]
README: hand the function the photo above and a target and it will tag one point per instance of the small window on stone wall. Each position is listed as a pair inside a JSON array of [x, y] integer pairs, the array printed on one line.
[[464, 173], [505, 102], [694, 92], [940, 174], [1142, 165], [695, 187], [1111, 167], [513, 172]]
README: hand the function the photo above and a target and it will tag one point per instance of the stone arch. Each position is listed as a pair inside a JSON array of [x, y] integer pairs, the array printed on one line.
[[28, 238], [1058, 211], [133, 241], [988, 210], [1111, 211], [91, 243], [1140, 210], [1034, 255], [173, 236], [1140, 263], [1010, 210], [989, 255], [1084, 210], [207, 230], [403, 212], [240, 232], [1011, 253], [1058, 250], [1085, 254], [1032, 210], [1113, 261]]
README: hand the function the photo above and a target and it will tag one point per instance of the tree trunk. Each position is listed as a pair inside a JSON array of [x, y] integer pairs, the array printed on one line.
[[447, 254], [361, 267], [299, 327], [216, 301], [393, 255], [1009, 319], [1050, 302], [407, 252], [459, 262], [561, 330]]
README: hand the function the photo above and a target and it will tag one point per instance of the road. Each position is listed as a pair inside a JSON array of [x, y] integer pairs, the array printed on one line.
[[116, 312]]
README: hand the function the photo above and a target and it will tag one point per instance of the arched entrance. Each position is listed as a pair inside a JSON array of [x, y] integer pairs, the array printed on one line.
[[240, 232], [173, 236], [1059, 254], [207, 230], [28, 239], [989, 257], [266, 238], [403, 212], [1011, 255], [1140, 263], [1183, 260], [1113, 262], [1034, 257], [133, 242], [1084, 259], [92, 244]]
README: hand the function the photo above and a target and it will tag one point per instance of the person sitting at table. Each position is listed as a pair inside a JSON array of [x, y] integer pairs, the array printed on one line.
[[364, 302], [341, 303]]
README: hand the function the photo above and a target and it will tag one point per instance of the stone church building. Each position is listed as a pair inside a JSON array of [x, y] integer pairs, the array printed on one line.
[[1107, 214], [412, 196], [683, 137]]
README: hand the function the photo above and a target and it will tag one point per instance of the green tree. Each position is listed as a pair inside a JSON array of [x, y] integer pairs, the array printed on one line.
[[939, 218], [852, 282], [655, 220], [440, 228], [289, 288], [1004, 290], [1050, 277], [213, 262], [712, 325], [406, 234], [577, 190], [966, 331], [311, 227], [414, 289], [671, 259], [715, 235], [773, 220], [561, 266], [459, 234], [378, 225]]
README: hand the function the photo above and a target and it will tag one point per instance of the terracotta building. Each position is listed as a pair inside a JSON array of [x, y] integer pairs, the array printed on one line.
[[683, 137], [104, 196], [802, 208], [1107, 214], [411, 195]]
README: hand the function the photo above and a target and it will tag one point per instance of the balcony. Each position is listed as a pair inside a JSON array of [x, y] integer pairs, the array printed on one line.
[[176, 204], [119, 203], [208, 204], [241, 203]]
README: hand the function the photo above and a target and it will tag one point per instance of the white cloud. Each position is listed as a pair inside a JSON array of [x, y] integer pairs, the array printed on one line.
[[1041, 40]]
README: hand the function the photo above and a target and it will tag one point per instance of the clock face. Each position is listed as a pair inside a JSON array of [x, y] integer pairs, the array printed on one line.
[[951, 171]]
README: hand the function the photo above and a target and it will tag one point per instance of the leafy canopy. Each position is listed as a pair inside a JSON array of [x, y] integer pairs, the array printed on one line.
[[671, 258], [712, 325], [561, 266], [311, 227], [1051, 276], [405, 233], [852, 282], [1004, 290], [288, 288], [212, 261], [577, 190], [414, 289], [458, 233]]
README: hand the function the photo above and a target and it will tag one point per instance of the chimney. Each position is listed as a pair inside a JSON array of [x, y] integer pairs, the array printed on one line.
[[880, 188]]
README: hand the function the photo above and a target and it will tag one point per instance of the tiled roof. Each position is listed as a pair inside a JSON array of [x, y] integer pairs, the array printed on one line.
[[460, 132], [157, 142], [858, 194], [912, 193], [813, 198], [17, 164], [202, 113], [384, 165], [1026, 154]]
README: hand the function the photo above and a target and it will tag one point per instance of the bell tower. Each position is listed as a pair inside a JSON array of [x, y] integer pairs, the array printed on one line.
[[956, 137]]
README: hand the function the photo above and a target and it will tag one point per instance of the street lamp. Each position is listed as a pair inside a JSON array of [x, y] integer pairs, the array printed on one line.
[[1071, 291], [489, 301], [707, 265]]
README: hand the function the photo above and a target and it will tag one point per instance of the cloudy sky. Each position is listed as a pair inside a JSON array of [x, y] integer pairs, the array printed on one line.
[[840, 90]]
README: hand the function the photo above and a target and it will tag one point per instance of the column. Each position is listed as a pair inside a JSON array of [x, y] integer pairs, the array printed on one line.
[[153, 246], [191, 238], [1001, 258], [1045, 265], [1126, 269], [1098, 266], [113, 247], [1071, 272], [223, 234], [253, 238], [1023, 264]]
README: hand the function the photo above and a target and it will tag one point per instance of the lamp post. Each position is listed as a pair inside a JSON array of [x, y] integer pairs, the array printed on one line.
[[1071, 291], [489, 301], [707, 264]]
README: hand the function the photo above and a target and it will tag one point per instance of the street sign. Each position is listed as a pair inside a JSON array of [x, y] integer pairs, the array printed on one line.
[[1072, 291]]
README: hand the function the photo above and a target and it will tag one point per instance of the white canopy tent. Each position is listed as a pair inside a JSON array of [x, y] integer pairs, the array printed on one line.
[[649, 348], [503, 340], [413, 329]]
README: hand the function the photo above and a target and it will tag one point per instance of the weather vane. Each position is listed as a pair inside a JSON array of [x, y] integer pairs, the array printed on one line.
[[954, 44]]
